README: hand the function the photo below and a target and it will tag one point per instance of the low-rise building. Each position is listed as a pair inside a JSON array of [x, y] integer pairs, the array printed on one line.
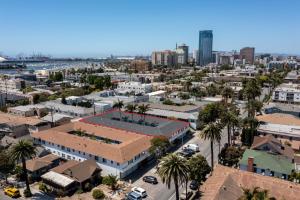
[[287, 93], [118, 146], [267, 164], [17, 126], [284, 127], [72, 175], [135, 87], [227, 183], [28, 110]]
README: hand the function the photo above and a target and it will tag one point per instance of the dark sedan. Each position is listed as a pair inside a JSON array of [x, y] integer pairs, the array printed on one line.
[[150, 179]]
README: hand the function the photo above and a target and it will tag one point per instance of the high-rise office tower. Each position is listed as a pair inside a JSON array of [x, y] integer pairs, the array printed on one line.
[[247, 54], [182, 54], [205, 47]]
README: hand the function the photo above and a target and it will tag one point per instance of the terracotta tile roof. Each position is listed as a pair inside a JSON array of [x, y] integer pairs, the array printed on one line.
[[38, 163], [131, 144], [280, 118], [18, 120], [226, 184], [277, 146]]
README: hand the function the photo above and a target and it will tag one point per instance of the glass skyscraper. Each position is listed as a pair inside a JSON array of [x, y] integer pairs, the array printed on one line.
[[205, 47]]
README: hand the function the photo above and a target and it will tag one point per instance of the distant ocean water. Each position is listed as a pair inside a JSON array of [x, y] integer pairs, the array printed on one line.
[[49, 65]]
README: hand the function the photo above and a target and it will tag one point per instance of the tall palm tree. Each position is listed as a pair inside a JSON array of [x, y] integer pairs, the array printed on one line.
[[173, 169], [227, 93], [229, 119], [252, 89], [212, 132], [253, 106], [142, 109], [119, 105], [20, 152], [131, 108]]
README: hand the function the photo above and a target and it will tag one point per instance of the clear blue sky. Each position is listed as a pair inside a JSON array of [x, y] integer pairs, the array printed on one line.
[[128, 27]]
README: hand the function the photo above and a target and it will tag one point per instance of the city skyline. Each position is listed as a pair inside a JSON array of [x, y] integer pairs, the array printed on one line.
[[98, 29]]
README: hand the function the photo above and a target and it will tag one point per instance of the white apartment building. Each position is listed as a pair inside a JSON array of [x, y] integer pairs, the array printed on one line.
[[287, 93], [11, 85], [136, 87]]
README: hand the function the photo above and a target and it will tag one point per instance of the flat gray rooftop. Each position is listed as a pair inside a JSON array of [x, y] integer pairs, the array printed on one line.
[[153, 126]]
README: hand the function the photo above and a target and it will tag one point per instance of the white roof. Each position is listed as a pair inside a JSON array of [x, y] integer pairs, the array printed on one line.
[[280, 129], [157, 93], [57, 178], [56, 117], [169, 113]]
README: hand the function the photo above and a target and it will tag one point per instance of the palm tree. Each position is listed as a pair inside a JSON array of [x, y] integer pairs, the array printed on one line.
[[20, 152], [131, 108], [173, 169], [252, 89], [229, 119], [227, 93], [119, 105], [212, 132], [253, 106], [142, 109], [256, 194]]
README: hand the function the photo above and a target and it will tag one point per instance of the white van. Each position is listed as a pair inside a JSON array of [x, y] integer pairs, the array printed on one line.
[[193, 147]]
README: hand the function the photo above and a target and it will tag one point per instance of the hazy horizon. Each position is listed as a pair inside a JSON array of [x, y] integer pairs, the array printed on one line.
[[100, 28]]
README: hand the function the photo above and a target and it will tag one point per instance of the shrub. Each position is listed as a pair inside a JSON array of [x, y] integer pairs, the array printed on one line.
[[43, 188], [79, 191], [27, 193], [98, 194], [88, 187]]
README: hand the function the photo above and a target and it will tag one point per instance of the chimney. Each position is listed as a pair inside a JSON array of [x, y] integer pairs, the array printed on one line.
[[250, 164]]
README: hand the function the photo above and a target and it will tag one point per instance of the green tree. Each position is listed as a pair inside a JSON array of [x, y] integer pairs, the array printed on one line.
[[131, 108], [199, 168], [211, 113], [6, 164], [143, 109], [230, 156], [119, 105], [20, 152], [230, 119], [256, 194], [227, 93], [98, 194], [251, 89], [249, 130], [173, 169], [253, 106], [63, 100], [111, 181], [212, 132], [159, 146]]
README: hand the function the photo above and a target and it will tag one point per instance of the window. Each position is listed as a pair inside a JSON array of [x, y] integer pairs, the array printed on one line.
[[63, 155], [73, 158], [73, 150], [96, 158], [79, 152], [90, 155], [68, 149], [62, 147], [83, 153], [118, 164], [104, 160], [69, 157], [111, 162]]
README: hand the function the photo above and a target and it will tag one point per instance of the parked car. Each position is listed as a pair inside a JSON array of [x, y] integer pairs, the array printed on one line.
[[193, 147], [186, 153], [133, 196], [183, 195], [12, 192], [194, 185], [140, 191], [150, 179]]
